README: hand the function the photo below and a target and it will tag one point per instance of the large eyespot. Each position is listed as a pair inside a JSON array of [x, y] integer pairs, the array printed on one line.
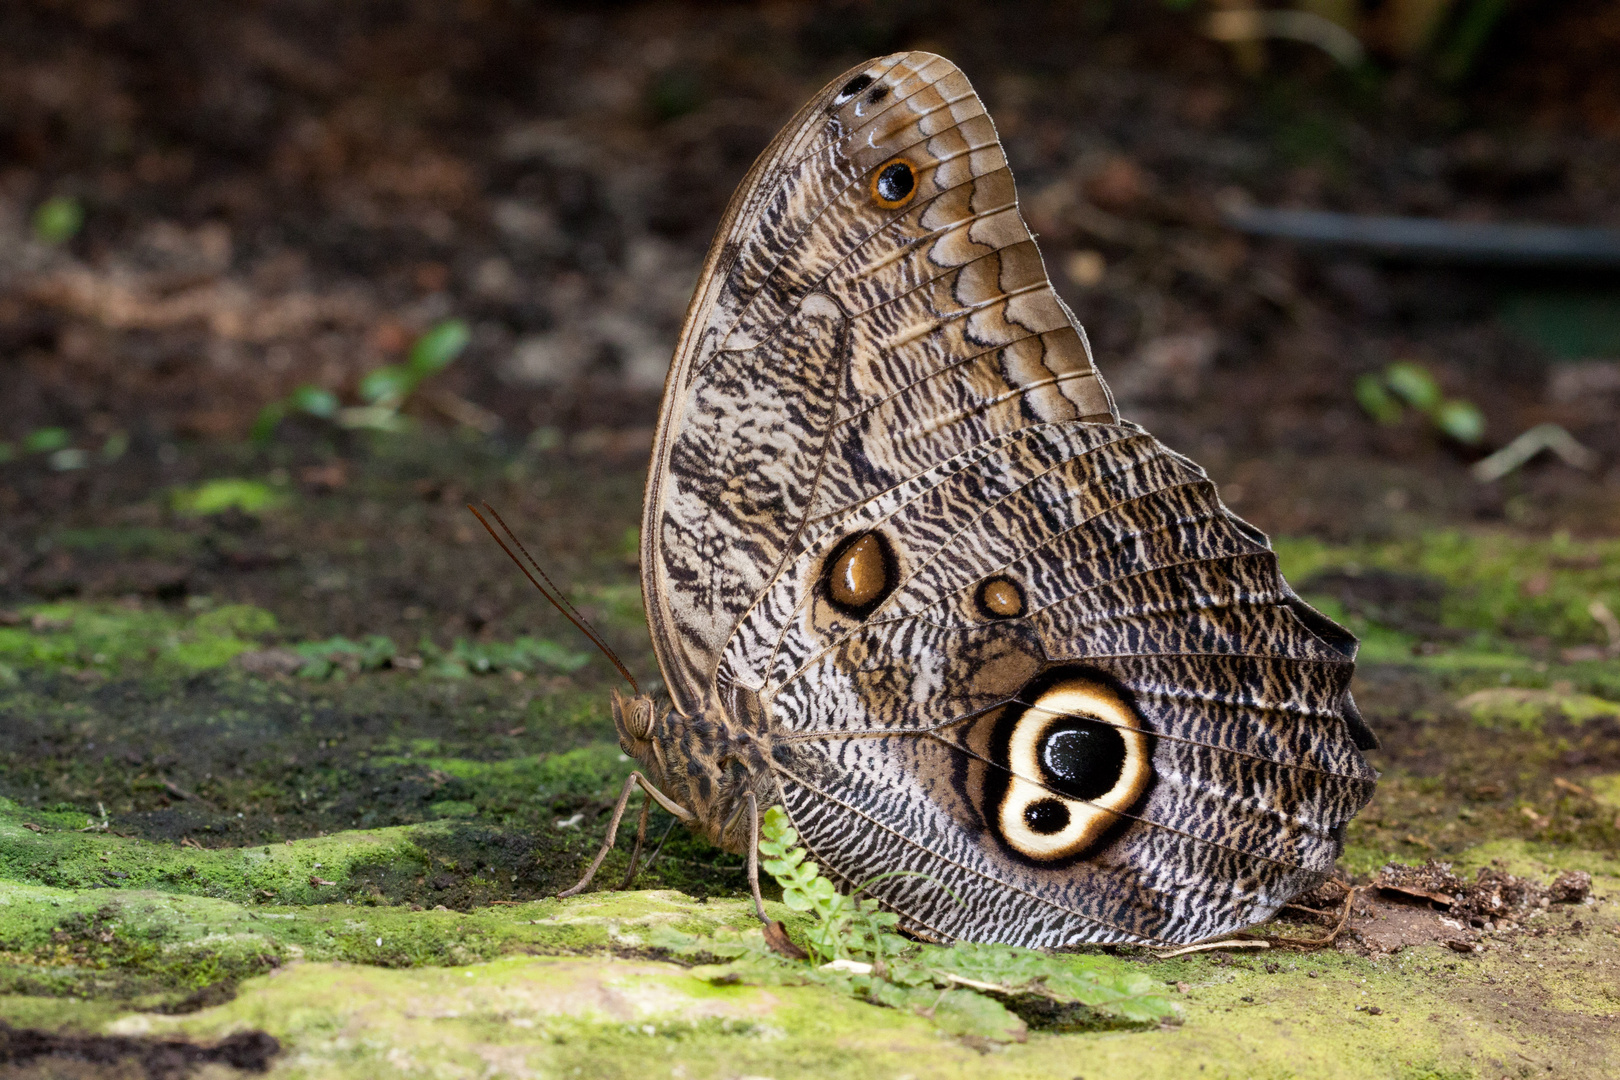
[[999, 597], [860, 573], [894, 184], [1077, 756]]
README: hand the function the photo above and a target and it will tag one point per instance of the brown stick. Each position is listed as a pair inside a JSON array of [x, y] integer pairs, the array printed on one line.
[[1344, 921]]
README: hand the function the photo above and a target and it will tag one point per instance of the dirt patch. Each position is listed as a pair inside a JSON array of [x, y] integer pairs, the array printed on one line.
[[1407, 906], [27, 1053]]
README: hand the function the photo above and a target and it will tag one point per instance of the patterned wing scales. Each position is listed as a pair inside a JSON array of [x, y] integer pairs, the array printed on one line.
[[938, 329], [892, 512], [1135, 576]]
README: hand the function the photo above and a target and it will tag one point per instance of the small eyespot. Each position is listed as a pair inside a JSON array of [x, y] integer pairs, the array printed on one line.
[[1046, 816], [1000, 597], [853, 87], [878, 94], [894, 184], [861, 572]]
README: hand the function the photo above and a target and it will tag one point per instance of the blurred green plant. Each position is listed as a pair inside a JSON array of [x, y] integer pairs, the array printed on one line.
[[45, 440], [1387, 395], [525, 654], [383, 390], [116, 446], [226, 493], [58, 219], [323, 658]]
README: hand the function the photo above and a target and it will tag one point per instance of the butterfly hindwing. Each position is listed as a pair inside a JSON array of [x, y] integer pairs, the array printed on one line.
[[992, 635]]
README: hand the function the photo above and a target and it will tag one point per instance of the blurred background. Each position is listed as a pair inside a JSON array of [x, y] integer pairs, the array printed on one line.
[[206, 211], [284, 284]]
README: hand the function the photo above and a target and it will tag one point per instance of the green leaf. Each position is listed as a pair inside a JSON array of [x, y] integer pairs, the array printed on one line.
[[218, 496], [788, 861], [315, 401], [387, 384], [963, 1012], [264, 428], [44, 440], [1413, 384], [58, 219], [438, 348], [1462, 420], [1375, 400]]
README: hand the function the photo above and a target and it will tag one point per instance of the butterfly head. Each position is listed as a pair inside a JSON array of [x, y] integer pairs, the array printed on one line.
[[633, 717]]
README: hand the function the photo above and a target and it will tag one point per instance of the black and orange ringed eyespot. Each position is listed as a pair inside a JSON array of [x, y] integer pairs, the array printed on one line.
[[894, 184]]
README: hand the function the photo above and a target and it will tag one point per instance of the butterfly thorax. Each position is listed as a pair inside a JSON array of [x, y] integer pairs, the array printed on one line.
[[706, 763]]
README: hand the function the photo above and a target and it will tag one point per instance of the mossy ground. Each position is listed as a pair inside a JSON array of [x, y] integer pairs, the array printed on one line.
[[360, 859]]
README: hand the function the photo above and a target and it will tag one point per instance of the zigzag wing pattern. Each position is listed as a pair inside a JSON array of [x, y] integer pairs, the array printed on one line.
[[952, 335], [1135, 572], [892, 515]]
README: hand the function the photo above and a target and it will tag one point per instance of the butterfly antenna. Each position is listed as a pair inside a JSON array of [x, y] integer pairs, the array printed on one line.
[[553, 594]]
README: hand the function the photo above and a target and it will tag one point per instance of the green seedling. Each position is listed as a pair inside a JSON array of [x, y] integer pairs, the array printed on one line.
[[1461, 420], [306, 400], [438, 348], [383, 390], [58, 219], [845, 927], [432, 353], [972, 990], [1413, 384], [1387, 395], [1376, 400]]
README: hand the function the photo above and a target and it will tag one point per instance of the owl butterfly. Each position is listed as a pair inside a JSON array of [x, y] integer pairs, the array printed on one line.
[[910, 576]]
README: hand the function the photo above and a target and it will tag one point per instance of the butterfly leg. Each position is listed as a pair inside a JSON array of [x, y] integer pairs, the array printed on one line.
[[753, 858], [681, 812], [641, 838]]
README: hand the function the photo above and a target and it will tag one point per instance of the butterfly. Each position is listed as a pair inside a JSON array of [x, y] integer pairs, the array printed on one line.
[[910, 577]]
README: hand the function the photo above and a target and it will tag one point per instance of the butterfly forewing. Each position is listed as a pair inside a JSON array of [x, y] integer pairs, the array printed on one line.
[[989, 633], [935, 340]]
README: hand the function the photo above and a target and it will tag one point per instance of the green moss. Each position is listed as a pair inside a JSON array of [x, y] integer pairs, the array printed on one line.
[[154, 949], [1284, 1015], [1526, 709], [1498, 585], [111, 637]]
